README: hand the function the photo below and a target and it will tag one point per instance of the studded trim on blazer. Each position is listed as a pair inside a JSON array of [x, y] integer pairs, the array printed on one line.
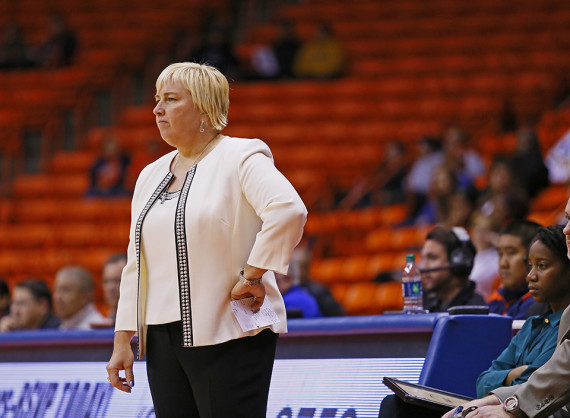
[[182, 257]]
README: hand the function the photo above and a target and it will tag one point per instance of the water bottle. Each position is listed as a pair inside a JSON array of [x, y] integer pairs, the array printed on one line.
[[412, 286]]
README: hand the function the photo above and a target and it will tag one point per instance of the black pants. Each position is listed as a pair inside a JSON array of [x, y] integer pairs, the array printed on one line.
[[394, 407], [218, 381]]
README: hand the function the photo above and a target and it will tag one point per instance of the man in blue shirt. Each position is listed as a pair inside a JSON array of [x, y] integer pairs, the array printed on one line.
[[298, 301]]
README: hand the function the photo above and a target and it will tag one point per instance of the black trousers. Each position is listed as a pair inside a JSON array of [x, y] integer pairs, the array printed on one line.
[[218, 381], [394, 407]]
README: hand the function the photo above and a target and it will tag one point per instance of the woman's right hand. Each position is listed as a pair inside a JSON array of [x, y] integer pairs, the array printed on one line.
[[241, 291], [122, 359], [487, 400]]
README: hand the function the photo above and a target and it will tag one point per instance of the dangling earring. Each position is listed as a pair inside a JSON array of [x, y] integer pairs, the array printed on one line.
[[202, 126]]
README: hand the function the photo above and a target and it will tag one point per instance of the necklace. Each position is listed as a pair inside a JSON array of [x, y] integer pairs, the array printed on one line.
[[164, 193], [196, 159]]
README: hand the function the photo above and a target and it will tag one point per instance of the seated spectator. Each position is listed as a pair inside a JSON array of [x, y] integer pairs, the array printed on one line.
[[385, 187], [31, 308], [111, 280], [73, 297], [298, 301], [485, 271], [109, 172], [328, 305], [14, 50], [534, 344], [4, 298], [60, 47], [419, 177], [275, 61], [321, 57], [462, 205], [513, 297], [264, 65], [459, 157], [438, 203], [504, 199], [217, 50], [558, 160], [446, 260], [285, 49], [527, 163]]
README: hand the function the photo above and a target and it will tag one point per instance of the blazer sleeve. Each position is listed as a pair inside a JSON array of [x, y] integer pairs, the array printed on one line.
[[276, 202], [547, 389]]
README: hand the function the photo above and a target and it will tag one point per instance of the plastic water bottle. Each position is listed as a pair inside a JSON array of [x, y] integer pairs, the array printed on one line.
[[412, 286]]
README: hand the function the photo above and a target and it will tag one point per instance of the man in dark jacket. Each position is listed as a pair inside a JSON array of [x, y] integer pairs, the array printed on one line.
[[31, 308]]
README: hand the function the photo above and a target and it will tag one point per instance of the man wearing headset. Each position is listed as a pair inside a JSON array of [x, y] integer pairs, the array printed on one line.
[[446, 260]]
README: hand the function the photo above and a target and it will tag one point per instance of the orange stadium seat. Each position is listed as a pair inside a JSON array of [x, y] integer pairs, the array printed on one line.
[[404, 238], [355, 269], [359, 298], [388, 297], [369, 298], [552, 199], [32, 186], [27, 235], [73, 161], [42, 209], [327, 271]]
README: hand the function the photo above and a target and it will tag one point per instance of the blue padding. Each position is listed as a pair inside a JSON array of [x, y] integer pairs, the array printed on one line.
[[463, 346], [51, 336], [373, 324]]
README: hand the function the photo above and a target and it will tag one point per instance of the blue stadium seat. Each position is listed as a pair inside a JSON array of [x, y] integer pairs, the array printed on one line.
[[461, 347]]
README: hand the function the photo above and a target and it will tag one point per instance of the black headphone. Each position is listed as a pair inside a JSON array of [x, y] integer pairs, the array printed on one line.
[[461, 258]]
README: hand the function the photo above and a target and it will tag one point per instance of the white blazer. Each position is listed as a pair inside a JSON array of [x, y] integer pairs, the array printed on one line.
[[239, 210]]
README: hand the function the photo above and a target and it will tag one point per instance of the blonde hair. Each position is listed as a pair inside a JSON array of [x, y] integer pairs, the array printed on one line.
[[208, 87]]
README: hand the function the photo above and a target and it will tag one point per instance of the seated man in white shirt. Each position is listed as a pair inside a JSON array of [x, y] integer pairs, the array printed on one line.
[[73, 297]]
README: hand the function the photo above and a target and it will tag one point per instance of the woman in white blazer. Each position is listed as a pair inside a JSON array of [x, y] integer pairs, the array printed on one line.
[[211, 222]]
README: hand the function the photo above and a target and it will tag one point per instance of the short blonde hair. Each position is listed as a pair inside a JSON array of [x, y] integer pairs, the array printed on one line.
[[208, 87]]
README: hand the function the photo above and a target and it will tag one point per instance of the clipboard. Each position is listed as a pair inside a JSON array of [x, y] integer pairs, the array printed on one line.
[[425, 396]]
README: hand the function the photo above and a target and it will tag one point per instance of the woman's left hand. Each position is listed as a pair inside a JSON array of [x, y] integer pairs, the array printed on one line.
[[242, 291]]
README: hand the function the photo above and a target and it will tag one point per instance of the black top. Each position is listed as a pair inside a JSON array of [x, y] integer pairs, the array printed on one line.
[[466, 296], [51, 322]]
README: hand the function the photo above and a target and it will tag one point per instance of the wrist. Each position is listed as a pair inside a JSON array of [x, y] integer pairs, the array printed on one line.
[[123, 339], [511, 406], [247, 281]]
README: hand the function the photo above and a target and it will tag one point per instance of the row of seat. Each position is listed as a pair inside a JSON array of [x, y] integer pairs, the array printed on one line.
[[389, 86], [440, 16], [358, 268], [72, 234], [368, 298]]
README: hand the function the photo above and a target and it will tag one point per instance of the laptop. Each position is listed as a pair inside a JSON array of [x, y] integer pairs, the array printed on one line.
[[425, 396]]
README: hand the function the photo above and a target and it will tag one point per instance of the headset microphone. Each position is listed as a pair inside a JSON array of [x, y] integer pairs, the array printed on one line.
[[448, 267]]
